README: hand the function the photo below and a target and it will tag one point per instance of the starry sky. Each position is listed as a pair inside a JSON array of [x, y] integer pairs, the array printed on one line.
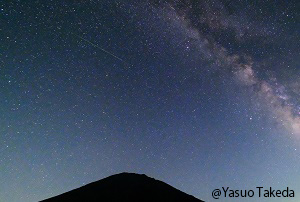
[[198, 94]]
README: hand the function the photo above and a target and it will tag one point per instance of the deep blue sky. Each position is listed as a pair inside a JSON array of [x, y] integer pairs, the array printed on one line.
[[199, 95]]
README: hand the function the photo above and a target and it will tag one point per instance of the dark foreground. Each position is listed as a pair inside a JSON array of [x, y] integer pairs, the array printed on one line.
[[126, 187]]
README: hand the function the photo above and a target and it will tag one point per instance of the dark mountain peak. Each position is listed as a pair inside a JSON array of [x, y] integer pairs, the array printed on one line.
[[126, 187], [128, 175]]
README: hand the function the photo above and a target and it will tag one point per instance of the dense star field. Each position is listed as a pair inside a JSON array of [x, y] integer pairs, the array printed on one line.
[[198, 94]]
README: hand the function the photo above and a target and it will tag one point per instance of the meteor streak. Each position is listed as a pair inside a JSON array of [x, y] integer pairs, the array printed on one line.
[[96, 46]]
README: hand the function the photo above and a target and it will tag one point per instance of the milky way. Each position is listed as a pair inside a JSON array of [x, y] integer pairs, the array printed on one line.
[[200, 20]]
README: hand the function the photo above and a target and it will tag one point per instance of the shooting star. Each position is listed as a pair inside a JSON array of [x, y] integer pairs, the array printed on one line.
[[96, 46]]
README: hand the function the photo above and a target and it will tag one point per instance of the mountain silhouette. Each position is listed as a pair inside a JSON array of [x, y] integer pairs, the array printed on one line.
[[125, 187]]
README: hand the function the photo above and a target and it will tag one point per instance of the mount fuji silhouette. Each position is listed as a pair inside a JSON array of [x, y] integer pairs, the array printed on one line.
[[125, 187]]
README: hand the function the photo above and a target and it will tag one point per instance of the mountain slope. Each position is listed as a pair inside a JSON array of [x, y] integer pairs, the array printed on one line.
[[126, 187]]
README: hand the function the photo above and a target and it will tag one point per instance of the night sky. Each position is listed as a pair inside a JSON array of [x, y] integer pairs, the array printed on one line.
[[198, 94]]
